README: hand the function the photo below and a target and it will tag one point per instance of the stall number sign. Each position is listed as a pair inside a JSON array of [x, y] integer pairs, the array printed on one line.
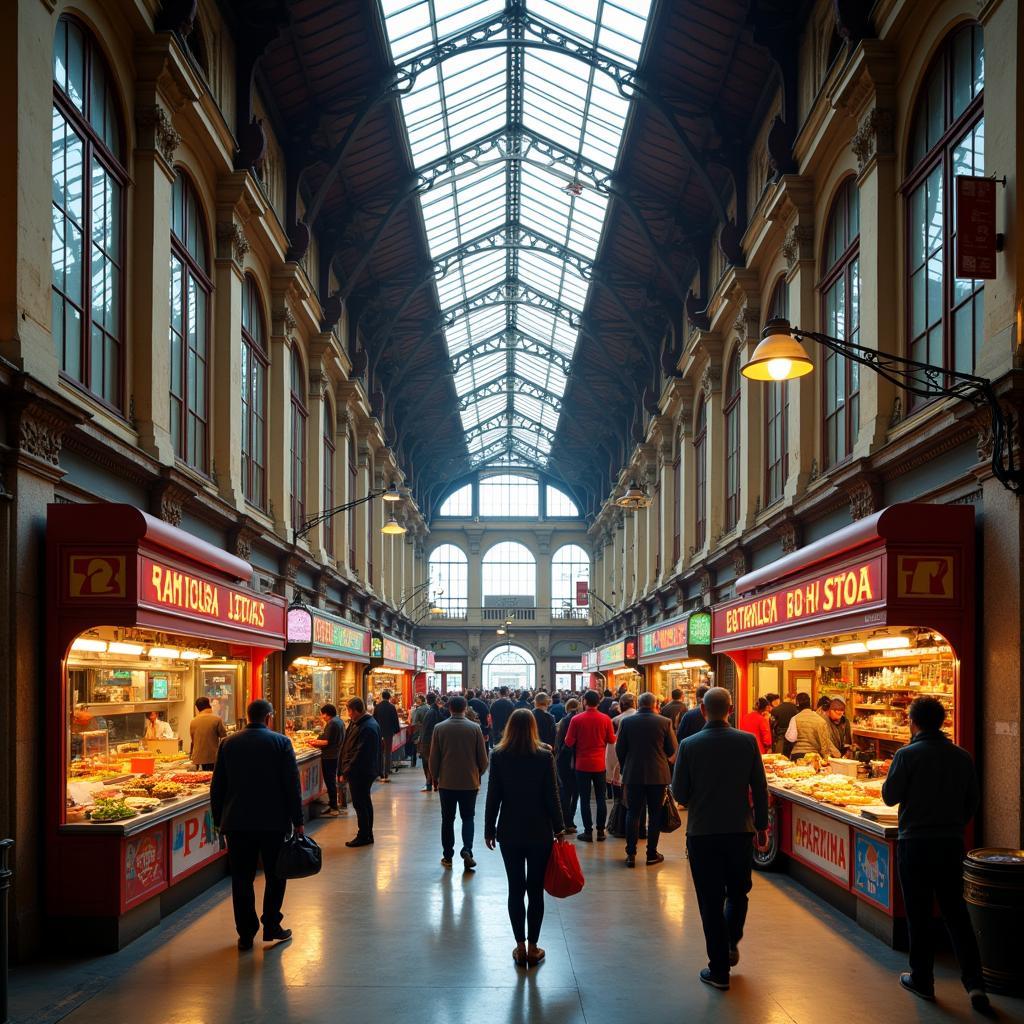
[[312, 778], [328, 633], [144, 868], [194, 841], [822, 843], [166, 587], [92, 576], [975, 227], [872, 870], [842, 591]]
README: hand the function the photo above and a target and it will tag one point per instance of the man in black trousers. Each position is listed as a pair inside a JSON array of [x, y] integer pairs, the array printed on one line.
[[644, 748], [501, 711], [386, 716], [718, 770], [359, 765], [256, 800], [934, 782]]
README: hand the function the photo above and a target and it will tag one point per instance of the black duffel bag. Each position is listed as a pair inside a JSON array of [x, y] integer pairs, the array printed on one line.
[[300, 857], [670, 820]]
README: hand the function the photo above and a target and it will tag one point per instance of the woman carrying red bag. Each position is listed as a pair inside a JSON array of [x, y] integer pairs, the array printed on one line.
[[523, 815]]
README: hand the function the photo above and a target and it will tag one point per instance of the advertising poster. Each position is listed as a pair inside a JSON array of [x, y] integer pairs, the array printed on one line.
[[872, 876], [145, 870], [194, 841]]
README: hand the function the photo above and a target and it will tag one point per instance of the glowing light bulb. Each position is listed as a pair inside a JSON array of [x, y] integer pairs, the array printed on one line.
[[779, 369]]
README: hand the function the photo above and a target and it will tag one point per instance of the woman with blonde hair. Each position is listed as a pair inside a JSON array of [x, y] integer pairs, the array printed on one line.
[[523, 815]]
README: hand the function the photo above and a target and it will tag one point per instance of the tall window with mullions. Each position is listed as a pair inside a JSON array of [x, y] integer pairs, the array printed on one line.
[[947, 139], [299, 421], [328, 456], [700, 475], [88, 187], [776, 413], [449, 580], [731, 410], [254, 396]]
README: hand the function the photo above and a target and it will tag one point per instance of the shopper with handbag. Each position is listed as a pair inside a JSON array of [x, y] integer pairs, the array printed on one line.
[[645, 749], [523, 815], [256, 801]]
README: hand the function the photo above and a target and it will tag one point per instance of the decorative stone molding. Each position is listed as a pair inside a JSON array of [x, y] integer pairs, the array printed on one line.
[[896, 416], [231, 241], [40, 434], [168, 498], [241, 537], [710, 381], [874, 137], [156, 131], [798, 244], [740, 562], [865, 495], [789, 535], [705, 581]]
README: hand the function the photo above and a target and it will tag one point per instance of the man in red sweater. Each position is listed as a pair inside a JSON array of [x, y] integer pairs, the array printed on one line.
[[589, 734]]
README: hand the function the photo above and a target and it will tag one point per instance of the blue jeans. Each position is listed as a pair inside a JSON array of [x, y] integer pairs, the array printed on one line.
[[465, 801]]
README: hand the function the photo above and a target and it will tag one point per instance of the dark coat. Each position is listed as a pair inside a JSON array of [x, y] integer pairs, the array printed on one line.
[[386, 716], [255, 785], [361, 750], [692, 722], [605, 707], [522, 798], [644, 748], [557, 711], [546, 726], [565, 757], [673, 711], [434, 717], [501, 712], [483, 713]]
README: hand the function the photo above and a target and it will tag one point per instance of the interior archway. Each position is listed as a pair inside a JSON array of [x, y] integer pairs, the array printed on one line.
[[511, 666]]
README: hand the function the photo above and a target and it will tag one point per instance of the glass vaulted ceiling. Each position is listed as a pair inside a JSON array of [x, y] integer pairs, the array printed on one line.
[[498, 134]]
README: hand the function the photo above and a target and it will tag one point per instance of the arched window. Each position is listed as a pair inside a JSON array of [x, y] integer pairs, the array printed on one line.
[[329, 496], [254, 396], [841, 316], [677, 495], [353, 486], [298, 441], [458, 503], [87, 247], [510, 666], [509, 570], [570, 565], [700, 475], [947, 139], [449, 577], [558, 503], [732, 442], [776, 413], [509, 495], [190, 313]]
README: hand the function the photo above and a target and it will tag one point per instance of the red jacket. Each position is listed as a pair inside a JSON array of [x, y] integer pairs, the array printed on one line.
[[754, 722], [590, 732]]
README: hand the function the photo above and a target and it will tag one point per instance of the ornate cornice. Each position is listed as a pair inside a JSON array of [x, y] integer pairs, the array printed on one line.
[[156, 132]]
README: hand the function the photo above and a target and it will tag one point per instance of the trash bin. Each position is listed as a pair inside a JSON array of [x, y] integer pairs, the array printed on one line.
[[994, 890]]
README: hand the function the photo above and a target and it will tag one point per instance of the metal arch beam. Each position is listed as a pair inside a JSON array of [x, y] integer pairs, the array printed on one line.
[[514, 236], [499, 342], [499, 386], [507, 420], [482, 36], [511, 292]]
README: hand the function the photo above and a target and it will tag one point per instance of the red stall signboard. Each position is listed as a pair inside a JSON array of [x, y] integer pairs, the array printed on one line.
[[848, 589], [582, 593], [822, 843], [194, 841], [166, 587], [145, 871], [975, 227]]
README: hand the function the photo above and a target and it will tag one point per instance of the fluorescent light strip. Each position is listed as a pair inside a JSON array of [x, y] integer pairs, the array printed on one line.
[[854, 647], [808, 652]]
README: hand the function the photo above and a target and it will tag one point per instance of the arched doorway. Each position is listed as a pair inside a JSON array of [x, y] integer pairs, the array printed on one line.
[[511, 666]]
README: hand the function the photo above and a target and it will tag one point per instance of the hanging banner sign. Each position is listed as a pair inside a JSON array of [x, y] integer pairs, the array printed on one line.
[[582, 593], [975, 227]]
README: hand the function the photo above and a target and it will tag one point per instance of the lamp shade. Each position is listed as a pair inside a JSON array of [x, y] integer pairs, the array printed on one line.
[[635, 497], [392, 494], [779, 356], [392, 527]]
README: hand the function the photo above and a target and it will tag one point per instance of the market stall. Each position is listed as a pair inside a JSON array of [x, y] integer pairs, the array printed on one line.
[[588, 663], [143, 619], [873, 616], [677, 656], [617, 663], [393, 663], [425, 665]]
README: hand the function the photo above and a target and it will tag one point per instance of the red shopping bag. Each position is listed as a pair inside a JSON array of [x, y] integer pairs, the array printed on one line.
[[563, 876]]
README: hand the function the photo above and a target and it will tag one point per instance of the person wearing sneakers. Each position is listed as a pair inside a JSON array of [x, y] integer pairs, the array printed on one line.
[[359, 765], [589, 734], [644, 749], [718, 775], [458, 757]]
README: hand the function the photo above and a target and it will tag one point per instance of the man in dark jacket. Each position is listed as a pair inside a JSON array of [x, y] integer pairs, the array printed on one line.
[[386, 717], [523, 701], [644, 748], [934, 782], [329, 741], [839, 726], [483, 712], [359, 765], [674, 709], [605, 704], [693, 721], [783, 712], [501, 711], [557, 709], [547, 727], [435, 715], [718, 774], [256, 800]]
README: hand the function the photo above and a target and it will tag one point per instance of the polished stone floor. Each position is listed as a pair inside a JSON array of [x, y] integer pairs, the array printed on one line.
[[385, 933]]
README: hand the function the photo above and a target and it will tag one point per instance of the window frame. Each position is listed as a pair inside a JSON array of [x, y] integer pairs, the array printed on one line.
[[330, 450], [838, 271], [353, 483], [776, 409], [484, 564], [731, 412], [93, 146], [299, 419], [700, 475], [677, 496], [566, 604], [179, 250], [454, 605], [939, 155], [255, 349]]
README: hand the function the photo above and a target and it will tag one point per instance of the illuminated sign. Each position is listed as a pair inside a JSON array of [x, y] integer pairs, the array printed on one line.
[[699, 625], [620, 652], [588, 661], [166, 587], [676, 637], [377, 647], [97, 576], [394, 650], [844, 590], [424, 659], [340, 635]]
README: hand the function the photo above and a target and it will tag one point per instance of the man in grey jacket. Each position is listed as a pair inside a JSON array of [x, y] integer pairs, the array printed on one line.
[[458, 757], [717, 772]]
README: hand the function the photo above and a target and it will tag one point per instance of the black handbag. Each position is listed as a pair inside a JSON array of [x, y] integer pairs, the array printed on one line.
[[300, 857], [670, 820]]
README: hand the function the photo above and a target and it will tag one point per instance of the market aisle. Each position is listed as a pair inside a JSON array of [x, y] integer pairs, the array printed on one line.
[[385, 933]]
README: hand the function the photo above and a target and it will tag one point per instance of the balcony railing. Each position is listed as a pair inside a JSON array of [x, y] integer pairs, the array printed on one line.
[[558, 615]]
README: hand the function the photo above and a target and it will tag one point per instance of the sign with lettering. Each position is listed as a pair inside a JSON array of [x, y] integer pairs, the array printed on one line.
[[308, 626], [843, 590], [929, 577], [675, 637], [194, 841], [872, 870], [170, 589], [975, 227], [588, 661], [424, 660], [398, 652], [97, 576], [311, 778], [145, 865], [823, 843], [582, 593], [621, 652]]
